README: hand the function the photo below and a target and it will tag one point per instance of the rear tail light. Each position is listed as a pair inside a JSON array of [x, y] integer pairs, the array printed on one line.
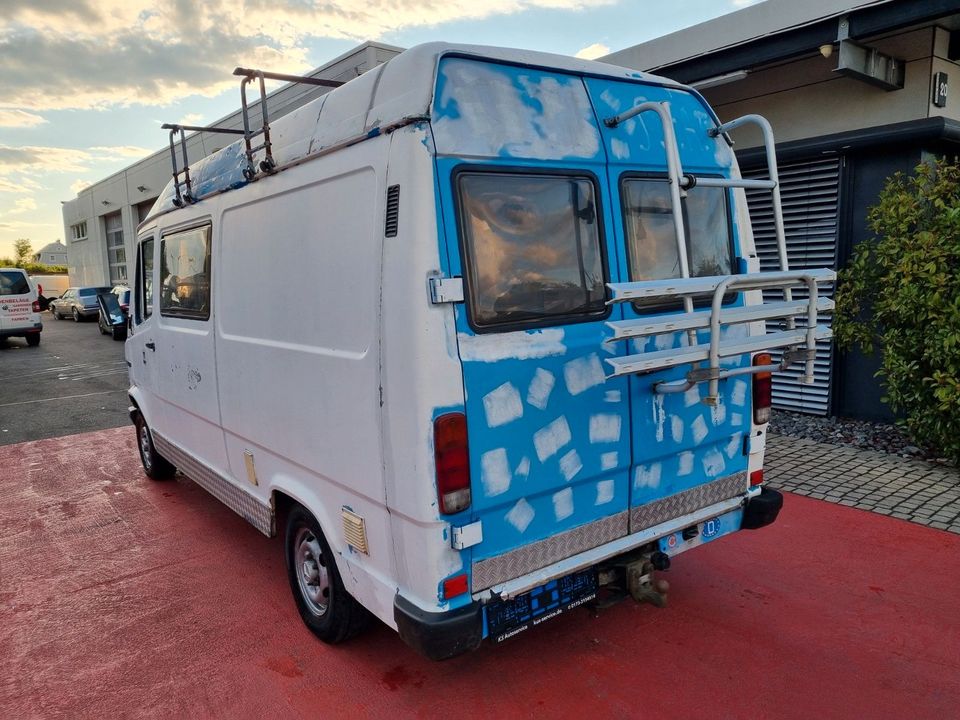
[[452, 462], [756, 477], [762, 390], [36, 306]]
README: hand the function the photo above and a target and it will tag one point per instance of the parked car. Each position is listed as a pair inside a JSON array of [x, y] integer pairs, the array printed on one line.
[[113, 317], [19, 307], [78, 302]]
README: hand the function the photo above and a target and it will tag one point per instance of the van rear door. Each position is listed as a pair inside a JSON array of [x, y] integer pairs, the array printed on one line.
[[16, 300], [686, 454], [524, 222]]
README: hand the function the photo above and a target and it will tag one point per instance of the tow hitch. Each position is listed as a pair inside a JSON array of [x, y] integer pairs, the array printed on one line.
[[634, 576]]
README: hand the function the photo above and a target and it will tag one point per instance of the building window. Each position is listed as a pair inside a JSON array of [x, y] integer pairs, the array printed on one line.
[[79, 231], [116, 253]]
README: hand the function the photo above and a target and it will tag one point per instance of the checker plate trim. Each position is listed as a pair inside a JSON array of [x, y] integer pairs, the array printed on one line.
[[688, 501]]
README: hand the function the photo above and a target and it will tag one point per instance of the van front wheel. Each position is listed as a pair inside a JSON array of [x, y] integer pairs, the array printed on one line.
[[326, 607], [155, 465]]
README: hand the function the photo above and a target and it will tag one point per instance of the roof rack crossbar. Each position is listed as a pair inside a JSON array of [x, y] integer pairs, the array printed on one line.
[[249, 75]]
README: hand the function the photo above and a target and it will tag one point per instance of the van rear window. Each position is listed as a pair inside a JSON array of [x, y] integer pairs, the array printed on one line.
[[532, 248], [652, 240], [13, 283]]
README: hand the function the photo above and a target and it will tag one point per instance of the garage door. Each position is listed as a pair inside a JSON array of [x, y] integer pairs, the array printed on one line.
[[810, 197]]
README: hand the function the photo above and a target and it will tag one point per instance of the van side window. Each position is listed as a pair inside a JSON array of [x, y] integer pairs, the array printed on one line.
[[145, 281], [652, 241], [532, 248], [185, 274]]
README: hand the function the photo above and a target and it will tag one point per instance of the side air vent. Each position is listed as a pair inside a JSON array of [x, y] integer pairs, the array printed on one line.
[[393, 211], [354, 531]]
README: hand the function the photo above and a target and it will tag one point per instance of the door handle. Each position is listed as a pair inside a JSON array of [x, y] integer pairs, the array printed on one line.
[[150, 345]]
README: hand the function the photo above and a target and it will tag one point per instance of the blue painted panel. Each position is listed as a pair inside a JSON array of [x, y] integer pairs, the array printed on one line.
[[678, 442]]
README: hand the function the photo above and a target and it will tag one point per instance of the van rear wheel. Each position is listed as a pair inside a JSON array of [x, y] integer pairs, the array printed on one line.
[[155, 465], [326, 607], [33, 339]]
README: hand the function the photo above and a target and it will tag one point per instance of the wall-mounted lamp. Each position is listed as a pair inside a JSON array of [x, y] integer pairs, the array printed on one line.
[[142, 188], [719, 80], [105, 202], [826, 50]]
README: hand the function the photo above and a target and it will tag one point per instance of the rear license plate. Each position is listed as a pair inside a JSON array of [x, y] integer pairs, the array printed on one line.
[[506, 618]]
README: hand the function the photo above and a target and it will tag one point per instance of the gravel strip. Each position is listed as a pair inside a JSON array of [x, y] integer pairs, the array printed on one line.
[[844, 431]]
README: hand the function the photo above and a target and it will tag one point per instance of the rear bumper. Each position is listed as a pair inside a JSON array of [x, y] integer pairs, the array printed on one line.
[[21, 331], [440, 635], [762, 510]]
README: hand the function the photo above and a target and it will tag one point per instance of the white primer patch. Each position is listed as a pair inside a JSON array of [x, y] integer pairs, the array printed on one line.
[[718, 413], [619, 148], [676, 428], [699, 429], [583, 373], [713, 463], [519, 345], [550, 438], [659, 416], [538, 394], [692, 396], [604, 428], [736, 419], [663, 342], [502, 405], [612, 101], [521, 515], [604, 492], [563, 504], [523, 469], [647, 476], [609, 460], [612, 396], [570, 465], [733, 446], [738, 395], [495, 472], [686, 464]]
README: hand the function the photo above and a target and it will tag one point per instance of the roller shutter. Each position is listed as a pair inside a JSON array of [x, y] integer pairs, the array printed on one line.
[[810, 196]]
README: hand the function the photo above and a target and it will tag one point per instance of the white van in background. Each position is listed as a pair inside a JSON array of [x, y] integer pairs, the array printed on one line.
[[19, 307]]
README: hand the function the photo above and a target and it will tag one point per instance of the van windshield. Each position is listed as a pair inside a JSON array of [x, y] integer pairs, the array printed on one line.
[[13, 283], [532, 247]]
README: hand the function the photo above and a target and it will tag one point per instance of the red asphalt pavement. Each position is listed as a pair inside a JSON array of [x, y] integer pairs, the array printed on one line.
[[121, 597]]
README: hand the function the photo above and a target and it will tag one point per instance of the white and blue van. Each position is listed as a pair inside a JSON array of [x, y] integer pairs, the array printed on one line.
[[481, 334]]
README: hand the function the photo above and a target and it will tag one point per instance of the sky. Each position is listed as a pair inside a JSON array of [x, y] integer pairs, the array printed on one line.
[[87, 83]]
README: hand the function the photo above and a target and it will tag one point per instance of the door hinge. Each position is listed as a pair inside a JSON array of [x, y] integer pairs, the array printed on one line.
[[466, 535], [446, 290]]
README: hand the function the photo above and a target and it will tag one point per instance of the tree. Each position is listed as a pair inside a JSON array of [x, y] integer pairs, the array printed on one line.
[[901, 291], [22, 250]]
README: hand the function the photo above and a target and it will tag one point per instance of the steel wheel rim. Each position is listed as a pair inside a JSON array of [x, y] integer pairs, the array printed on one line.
[[145, 446], [312, 575]]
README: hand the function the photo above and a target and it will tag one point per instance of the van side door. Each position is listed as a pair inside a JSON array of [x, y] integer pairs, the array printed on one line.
[[140, 348], [185, 353]]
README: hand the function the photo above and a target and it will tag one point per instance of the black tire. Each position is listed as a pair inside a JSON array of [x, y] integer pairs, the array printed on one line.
[[53, 311], [76, 315], [100, 326], [333, 616], [119, 332], [33, 339], [155, 465]]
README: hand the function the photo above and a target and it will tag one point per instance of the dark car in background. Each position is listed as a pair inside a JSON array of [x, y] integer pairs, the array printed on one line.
[[78, 302], [107, 324]]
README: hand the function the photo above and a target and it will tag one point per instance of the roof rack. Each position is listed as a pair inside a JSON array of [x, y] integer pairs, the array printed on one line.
[[182, 186]]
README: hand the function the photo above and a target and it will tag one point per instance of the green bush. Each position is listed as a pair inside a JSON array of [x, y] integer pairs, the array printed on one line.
[[901, 292], [35, 268]]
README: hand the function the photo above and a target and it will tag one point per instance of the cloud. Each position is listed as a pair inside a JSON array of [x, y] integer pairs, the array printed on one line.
[[10, 117], [592, 52], [154, 52], [743, 3], [77, 185], [36, 159], [21, 206], [191, 119]]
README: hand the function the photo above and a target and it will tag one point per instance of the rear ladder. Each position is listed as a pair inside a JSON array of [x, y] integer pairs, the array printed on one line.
[[800, 341]]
